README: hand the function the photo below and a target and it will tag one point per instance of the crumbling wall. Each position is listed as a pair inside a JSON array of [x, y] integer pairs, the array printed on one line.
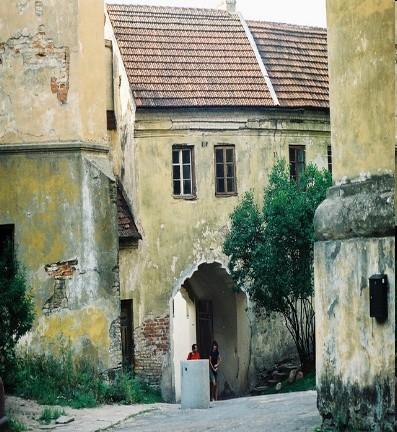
[[47, 91], [151, 346]]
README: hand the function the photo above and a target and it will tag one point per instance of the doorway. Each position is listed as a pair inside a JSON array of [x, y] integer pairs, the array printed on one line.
[[127, 341], [205, 308]]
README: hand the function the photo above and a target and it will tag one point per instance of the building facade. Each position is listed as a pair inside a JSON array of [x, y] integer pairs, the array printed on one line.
[[205, 104]]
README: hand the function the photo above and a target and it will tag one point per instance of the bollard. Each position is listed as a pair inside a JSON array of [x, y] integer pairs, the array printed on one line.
[[195, 391]]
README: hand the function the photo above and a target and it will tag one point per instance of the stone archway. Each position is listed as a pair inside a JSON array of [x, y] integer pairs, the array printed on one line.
[[206, 306]]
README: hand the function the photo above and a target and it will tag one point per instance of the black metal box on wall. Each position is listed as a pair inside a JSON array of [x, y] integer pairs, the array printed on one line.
[[378, 288]]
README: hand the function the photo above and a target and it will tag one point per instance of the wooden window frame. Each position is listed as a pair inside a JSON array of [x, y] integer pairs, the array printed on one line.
[[225, 147], [296, 147], [192, 195], [329, 159]]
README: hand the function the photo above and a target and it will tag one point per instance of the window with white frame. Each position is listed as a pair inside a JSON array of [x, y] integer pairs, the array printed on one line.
[[183, 171]]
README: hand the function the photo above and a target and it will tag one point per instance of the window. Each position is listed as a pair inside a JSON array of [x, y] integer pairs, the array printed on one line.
[[225, 170], [296, 161], [329, 155], [182, 171]]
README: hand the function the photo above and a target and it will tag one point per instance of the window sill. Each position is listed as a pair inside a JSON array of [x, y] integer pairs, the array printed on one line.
[[225, 195], [185, 197]]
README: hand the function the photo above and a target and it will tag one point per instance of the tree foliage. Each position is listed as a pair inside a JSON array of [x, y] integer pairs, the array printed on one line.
[[271, 250], [16, 309]]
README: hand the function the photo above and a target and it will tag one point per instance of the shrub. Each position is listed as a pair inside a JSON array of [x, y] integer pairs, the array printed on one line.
[[16, 310], [63, 379]]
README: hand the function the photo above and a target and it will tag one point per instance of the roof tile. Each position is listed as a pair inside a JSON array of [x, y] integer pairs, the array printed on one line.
[[181, 57]]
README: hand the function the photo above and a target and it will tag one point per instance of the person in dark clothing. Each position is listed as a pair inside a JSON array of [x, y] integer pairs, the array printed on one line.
[[214, 361]]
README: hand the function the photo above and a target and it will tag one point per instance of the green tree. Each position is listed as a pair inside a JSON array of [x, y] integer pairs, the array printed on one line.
[[16, 310], [271, 251]]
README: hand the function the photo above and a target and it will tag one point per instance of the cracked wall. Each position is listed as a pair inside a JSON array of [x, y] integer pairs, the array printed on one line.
[[47, 52], [64, 205]]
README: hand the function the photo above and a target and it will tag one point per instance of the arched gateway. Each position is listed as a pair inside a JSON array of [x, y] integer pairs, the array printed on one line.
[[205, 306]]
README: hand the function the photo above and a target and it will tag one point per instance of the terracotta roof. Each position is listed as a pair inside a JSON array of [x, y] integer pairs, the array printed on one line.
[[126, 223], [185, 57], [296, 61]]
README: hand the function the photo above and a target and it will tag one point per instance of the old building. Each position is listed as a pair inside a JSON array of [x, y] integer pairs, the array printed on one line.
[[57, 188], [355, 249], [205, 103], [169, 115]]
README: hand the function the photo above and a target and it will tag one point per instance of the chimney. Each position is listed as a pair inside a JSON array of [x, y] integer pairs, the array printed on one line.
[[229, 5]]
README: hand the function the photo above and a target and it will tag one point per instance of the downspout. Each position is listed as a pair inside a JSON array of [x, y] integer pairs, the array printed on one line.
[[259, 59]]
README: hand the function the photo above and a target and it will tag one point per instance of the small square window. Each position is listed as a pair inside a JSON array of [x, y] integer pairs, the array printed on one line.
[[183, 171], [225, 170]]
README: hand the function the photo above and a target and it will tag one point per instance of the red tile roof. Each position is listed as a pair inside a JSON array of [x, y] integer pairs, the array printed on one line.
[[296, 61], [184, 57], [126, 224]]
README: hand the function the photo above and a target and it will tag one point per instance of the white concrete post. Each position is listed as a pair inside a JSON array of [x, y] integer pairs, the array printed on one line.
[[195, 391]]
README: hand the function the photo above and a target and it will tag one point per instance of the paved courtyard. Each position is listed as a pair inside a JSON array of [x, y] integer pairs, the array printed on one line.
[[276, 413]]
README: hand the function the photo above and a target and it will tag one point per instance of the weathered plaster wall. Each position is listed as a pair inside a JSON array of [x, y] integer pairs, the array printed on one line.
[[369, 28], [48, 51], [56, 181], [63, 208], [122, 141], [355, 353], [180, 234], [354, 226]]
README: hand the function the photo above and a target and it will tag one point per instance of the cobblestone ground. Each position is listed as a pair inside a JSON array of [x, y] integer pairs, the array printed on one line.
[[274, 413]]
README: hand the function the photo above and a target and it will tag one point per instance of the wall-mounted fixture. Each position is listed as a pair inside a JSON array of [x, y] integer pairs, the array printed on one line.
[[378, 288]]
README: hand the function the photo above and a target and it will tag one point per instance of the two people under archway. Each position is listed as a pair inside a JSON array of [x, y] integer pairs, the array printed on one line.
[[214, 362]]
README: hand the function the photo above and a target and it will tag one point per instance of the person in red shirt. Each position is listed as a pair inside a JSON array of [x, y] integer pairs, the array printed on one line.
[[194, 355]]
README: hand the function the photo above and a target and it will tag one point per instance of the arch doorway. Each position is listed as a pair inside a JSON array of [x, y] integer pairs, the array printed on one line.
[[206, 307]]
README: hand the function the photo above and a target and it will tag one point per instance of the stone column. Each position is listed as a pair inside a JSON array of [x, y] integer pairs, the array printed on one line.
[[355, 353]]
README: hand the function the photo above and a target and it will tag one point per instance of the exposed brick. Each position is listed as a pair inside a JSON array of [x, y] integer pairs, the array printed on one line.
[[151, 345]]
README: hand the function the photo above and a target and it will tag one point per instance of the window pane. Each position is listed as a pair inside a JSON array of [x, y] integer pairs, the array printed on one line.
[[301, 155], [177, 187], [230, 185], [229, 155], [219, 155], [175, 156], [187, 187], [220, 185], [186, 172], [292, 155], [176, 171], [230, 171], [219, 170], [186, 156]]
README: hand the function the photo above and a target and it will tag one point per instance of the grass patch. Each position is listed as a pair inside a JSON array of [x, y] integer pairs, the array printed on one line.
[[63, 380], [308, 382], [15, 425], [49, 414]]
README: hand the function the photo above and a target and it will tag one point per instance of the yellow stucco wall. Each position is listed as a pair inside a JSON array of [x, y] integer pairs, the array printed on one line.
[[362, 86], [178, 233]]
